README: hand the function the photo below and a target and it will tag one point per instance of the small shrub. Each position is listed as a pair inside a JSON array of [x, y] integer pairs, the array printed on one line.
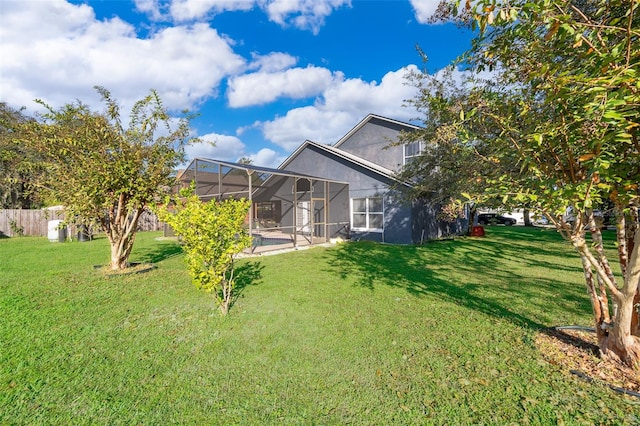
[[212, 235], [16, 229]]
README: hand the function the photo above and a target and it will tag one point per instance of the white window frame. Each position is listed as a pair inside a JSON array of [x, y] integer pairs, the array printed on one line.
[[406, 158], [368, 213]]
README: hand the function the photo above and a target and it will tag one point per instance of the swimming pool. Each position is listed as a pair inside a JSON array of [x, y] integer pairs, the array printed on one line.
[[260, 240]]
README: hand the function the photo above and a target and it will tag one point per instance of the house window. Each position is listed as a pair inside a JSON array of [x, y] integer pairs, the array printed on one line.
[[412, 151], [367, 213]]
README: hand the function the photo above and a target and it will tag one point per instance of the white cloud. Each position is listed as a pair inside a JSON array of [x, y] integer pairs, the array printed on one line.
[[303, 14], [261, 88], [274, 61], [385, 98], [59, 51], [231, 148], [216, 146], [424, 9], [342, 106], [311, 122], [153, 8], [186, 10], [41, 20], [347, 102], [267, 158]]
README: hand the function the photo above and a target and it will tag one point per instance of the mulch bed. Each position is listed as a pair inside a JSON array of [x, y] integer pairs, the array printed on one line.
[[576, 352], [133, 268]]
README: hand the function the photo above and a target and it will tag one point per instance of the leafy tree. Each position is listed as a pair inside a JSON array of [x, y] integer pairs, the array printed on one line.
[[213, 235], [556, 128], [445, 166], [104, 173], [18, 164]]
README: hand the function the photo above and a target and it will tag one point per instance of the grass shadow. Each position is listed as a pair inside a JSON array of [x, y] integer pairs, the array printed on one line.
[[158, 252], [248, 273], [376, 264], [489, 275]]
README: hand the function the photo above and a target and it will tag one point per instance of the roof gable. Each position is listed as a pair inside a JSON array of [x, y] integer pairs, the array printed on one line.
[[369, 118], [348, 157]]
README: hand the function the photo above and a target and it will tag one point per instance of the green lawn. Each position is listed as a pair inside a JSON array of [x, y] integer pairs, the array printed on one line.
[[358, 333]]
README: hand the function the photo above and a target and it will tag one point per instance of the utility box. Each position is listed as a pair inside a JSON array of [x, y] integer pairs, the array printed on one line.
[[56, 231]]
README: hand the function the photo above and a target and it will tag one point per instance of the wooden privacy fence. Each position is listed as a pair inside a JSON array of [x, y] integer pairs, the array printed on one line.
[[35, 222]]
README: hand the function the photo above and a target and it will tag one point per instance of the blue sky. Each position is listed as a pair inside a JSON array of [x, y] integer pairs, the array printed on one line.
[[263, 75]]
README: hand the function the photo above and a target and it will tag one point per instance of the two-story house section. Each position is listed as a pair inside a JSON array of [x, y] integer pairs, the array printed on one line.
[[380, 209]]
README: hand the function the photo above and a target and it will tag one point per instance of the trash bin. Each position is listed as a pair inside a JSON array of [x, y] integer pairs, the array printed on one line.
[[477, 231], [83, 233], [62, 234]]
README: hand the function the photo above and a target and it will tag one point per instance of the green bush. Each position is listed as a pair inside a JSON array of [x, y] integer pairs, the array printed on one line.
[[212, 234]]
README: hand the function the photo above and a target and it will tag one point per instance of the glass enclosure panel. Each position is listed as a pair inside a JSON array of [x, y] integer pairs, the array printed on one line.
[[318, 189], [205, 166], [258, 179], [318, 211], [207, 178], [282, 212], [268, 214], [235, 182]]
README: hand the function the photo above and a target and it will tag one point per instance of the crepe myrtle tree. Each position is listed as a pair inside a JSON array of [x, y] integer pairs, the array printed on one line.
[[212, 234], [104, 173], [563, 105]]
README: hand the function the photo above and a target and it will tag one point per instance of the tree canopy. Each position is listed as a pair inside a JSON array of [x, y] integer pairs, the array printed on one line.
[[555, 127], [103, 172]]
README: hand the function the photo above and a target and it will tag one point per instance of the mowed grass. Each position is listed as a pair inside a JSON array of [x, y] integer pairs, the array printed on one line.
[[359, 333]]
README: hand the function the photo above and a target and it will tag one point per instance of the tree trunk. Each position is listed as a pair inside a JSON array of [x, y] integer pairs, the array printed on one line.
[[121, 247], [631, 228], [526, 215], [615, 337], [473, 213], [119, 260], [600, 309], [226, 290], [635, 315], [621, 343], [121, 232]]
